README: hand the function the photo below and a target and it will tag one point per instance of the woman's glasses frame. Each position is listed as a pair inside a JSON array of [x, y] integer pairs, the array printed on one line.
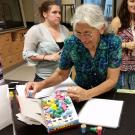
[[85, 34]]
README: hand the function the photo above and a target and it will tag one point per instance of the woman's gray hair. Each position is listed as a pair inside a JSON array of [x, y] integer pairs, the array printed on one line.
[[90, 14]]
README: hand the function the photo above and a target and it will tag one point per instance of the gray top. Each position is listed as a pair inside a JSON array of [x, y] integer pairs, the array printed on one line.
[[38, 40]]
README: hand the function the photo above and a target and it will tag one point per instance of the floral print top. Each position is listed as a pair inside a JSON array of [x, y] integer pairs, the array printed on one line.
[[91, 71]]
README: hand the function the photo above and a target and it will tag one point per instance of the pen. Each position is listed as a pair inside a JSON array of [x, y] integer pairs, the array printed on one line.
[[93, 129], [43, 97], [38, 97], [99, 130], [13, 82]]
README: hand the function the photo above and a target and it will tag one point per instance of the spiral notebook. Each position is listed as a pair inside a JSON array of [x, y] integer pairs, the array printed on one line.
[[101, 112]]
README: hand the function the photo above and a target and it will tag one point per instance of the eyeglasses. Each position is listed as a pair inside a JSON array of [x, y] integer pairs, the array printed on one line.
[[86, 34]]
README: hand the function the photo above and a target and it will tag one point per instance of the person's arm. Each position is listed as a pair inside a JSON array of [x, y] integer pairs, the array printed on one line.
[[128, 45], [108, 84], [57, 77], [115, 24], [47, 57], [79, 94], [31, 45]]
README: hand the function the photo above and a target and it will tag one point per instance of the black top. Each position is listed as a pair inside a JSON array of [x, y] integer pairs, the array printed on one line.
[[60, 44]]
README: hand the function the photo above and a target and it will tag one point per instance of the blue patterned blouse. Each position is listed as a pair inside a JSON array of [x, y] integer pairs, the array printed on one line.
[[91, 71]]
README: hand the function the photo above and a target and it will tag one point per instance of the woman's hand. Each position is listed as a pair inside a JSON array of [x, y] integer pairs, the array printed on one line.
[[52, 57], [77, 93], [130, 45], [33, 87]]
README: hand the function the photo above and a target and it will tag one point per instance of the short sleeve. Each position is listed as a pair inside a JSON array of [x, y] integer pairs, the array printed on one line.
[[66, 60], [115, 52]]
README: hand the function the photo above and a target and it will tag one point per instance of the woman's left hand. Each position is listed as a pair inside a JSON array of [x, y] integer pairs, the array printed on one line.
[[77, 93], [130, 45]]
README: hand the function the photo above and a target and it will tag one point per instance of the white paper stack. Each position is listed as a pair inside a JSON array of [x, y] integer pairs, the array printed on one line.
[[30, 111], [27, 120]]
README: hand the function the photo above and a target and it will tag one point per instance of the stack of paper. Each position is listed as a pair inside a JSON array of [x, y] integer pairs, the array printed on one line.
[[27, 120], [30, 111]]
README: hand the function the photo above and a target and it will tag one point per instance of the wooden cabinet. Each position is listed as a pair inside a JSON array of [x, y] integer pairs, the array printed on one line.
[[11, 46]]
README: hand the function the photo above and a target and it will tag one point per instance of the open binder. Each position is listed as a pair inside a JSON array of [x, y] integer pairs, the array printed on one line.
[[54, 110]]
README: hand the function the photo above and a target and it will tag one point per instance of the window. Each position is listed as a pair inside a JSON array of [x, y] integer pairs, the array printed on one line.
[[108, 7]]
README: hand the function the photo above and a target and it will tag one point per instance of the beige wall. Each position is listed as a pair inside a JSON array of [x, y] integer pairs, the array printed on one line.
[[36, 4], [28, 10], [31, 9], [118, 2]]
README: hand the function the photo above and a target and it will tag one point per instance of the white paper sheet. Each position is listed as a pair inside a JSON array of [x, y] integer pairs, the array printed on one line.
[[48, 91], [45, 92], [101, 112]]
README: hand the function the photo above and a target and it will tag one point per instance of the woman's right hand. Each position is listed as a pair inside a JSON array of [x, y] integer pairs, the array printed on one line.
[[33, 87]]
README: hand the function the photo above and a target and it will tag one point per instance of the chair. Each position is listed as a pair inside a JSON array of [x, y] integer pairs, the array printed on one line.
[[67, 5]]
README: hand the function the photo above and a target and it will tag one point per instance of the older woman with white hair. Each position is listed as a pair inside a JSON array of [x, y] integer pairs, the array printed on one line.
[[95, 54]]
